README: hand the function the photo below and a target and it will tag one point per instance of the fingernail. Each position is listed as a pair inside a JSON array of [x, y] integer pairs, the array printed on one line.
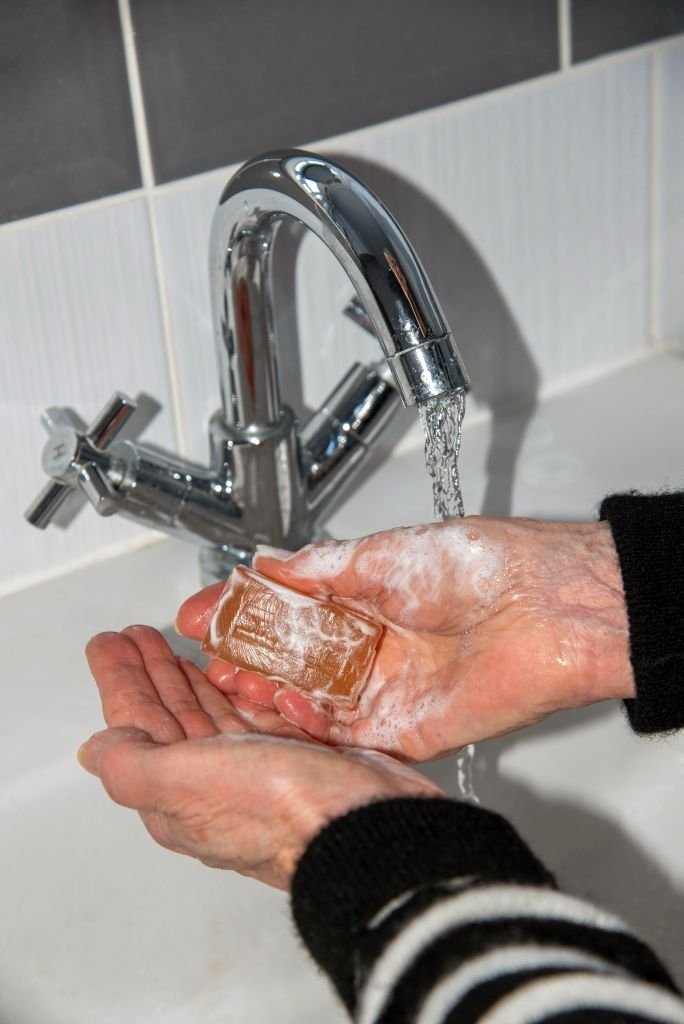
[[87, 752], [222, 671], [283, 701]]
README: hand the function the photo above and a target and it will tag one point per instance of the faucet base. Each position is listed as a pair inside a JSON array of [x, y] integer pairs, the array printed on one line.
[[217, 563]]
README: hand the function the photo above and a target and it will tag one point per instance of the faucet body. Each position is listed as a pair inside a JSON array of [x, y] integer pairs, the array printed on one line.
[[270, 480]]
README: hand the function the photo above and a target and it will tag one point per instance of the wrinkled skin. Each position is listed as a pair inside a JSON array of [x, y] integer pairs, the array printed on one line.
[[491, 624], [220, 778]]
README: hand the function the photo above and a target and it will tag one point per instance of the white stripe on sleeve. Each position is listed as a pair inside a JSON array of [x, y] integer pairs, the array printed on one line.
[[475, 906], [403, 899], [498, 963], [537, 1000]]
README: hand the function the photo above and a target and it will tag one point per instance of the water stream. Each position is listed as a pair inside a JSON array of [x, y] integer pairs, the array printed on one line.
[[442, 420]]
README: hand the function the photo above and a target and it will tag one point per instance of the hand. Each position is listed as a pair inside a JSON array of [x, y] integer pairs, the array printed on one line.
[[216, 778], [491, 624]]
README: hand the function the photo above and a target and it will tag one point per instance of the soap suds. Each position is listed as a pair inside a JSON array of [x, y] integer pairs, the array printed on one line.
[[328, 559], [425, 558]]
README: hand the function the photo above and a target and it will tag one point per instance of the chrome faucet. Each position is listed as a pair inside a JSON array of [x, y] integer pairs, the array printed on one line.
[[269, 480]]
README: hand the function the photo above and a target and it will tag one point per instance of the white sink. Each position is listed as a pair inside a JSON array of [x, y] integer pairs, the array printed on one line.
[[99, 924]]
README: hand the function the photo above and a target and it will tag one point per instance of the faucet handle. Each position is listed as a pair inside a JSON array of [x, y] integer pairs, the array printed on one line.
[[47, 504], [75, 457]]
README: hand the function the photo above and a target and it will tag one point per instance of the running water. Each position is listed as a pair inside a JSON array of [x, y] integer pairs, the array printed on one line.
[[442, 419]]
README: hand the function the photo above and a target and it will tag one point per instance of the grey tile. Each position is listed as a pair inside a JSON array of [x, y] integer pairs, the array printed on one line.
[[600, 26], [223, 81], [67, 128]]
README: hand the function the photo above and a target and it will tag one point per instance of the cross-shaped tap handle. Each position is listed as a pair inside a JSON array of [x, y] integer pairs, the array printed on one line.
[[75, 459]]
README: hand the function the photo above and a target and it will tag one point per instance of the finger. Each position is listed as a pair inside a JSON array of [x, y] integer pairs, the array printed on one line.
[[256, 688], [306, 715], [121, 759], [317, 569], [194, 615], [171, 682], [214, 703], [266, 720], [128, 695], [222, 675]]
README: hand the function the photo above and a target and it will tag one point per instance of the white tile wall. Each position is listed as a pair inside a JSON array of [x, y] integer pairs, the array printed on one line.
[[530, 213], [79, 318], [529, 208], [184, 212], [670, 193]]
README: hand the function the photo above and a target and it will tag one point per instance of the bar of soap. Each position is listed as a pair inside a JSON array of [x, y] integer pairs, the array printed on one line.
[[313, 646]]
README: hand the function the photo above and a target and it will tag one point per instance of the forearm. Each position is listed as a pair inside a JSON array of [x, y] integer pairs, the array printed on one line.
[[431, 910]]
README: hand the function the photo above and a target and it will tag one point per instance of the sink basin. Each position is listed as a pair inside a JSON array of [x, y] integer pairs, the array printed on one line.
[[101, 924], [98, 922]]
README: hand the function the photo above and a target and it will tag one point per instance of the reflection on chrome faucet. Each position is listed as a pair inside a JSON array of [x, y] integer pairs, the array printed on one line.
[[270, 480]]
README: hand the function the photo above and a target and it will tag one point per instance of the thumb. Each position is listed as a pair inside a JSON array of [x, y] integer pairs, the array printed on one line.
[[117, 757], [195, 614], [321, 569]]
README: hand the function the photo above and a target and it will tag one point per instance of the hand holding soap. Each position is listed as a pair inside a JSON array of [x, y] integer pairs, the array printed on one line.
[[311, 645]]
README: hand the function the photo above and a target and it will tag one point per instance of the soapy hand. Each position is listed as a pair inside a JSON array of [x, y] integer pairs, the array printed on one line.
[[220, 778], [491, 624]]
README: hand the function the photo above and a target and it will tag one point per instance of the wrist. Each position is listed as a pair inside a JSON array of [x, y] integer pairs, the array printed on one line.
[[369, 777], [601, 619]]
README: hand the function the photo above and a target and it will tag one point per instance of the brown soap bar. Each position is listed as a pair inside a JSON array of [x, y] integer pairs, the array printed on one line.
[[308, 644]]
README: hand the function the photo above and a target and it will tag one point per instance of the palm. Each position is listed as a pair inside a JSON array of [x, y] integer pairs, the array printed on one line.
[[431, 693], [172, 751], [490, 625]]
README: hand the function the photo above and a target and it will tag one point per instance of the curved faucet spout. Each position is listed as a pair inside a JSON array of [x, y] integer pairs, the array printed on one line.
[[270, 479], [383, 268]]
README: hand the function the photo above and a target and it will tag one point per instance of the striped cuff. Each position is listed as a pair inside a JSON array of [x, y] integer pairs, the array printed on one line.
[[466, 952], [426, 911], [359, 863]]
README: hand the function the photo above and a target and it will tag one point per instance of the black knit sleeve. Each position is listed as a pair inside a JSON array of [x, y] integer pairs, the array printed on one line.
[[430, 911], [648, 531]]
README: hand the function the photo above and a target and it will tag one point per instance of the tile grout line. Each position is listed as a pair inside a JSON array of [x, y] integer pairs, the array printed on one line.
[[165, 314], [136, 95], [62, 212], [147, 175], [653, 235], [564, 35]]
